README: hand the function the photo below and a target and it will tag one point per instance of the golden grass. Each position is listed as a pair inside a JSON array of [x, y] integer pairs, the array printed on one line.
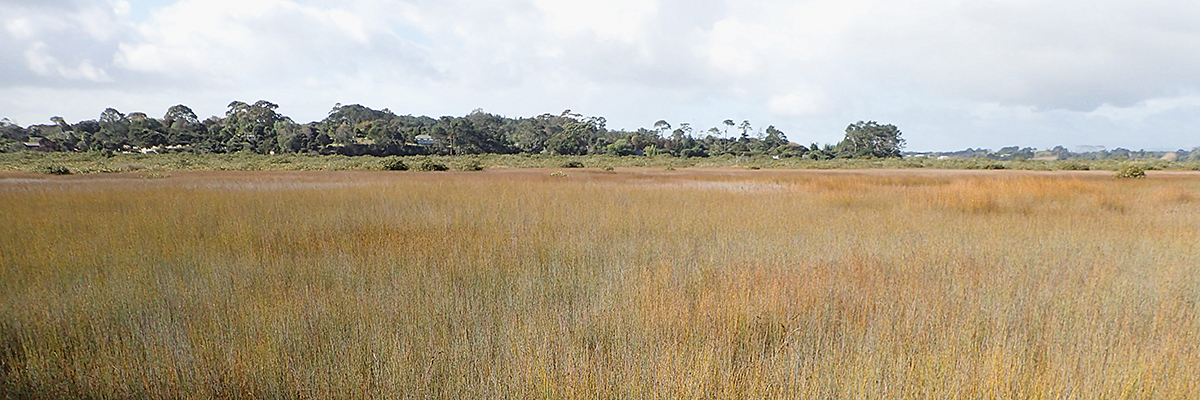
[[630, 284]]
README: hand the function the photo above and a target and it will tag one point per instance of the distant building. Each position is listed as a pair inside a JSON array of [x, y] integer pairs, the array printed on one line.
[[41, 144], [425, 140]]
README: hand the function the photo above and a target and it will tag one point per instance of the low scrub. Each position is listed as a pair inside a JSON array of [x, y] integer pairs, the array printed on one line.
[[97, 162], [1131, 171], [54, 169], [393, 164], [431, 165]]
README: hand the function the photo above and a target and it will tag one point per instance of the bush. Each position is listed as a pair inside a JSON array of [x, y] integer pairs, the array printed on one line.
[[607, 168], [989, 165], [1074, 166], [430, 165], [54, 169], [1131, 171], [572, 164], [472, 165], [393, 164]]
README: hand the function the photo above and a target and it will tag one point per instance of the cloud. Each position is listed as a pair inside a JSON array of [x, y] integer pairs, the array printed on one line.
[[44, 64], [623, 20], [1146, 109], [796, 104], [234, 41], [980, 73]]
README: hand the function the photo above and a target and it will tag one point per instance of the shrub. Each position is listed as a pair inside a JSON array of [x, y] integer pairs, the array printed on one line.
[[54, 169], [472, 165], [430, 165], [1074, 166], [607, 168], [393, 164], [1131, 171], [990, 165], [572, 164]]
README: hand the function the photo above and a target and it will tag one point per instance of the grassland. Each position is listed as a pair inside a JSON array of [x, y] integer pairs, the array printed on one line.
[[93, 162], [636, 283]]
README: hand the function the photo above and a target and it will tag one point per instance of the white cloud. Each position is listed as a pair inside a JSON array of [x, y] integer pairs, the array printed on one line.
[[622, 20], [230, 41], [121, 7], [797, 104], [1146, 109], [19, 28], [44, 64], [970, 73]]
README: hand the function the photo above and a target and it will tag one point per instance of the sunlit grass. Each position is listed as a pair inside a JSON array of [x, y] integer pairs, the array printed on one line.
[[637, 283]]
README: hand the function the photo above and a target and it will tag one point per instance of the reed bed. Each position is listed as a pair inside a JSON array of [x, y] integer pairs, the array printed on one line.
[[638, 283]]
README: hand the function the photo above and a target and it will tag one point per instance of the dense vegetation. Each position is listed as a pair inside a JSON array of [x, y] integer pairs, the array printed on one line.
[[358, 130], [1060, 153], [638, 284], [157, 164]]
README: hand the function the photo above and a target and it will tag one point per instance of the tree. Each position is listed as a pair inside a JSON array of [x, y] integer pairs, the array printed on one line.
[[251, 127], [114, 130], [62, 123], [1060, 153], [775, 137], [572, 140], [182, 125], [745, 128], [870, 139], [662, 126], [728, 124]]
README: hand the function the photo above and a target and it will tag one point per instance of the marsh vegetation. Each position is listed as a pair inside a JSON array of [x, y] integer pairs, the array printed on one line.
[[627, 283]]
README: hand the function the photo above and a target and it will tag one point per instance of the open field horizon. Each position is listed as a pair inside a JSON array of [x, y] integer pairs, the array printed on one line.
[[632, 283]]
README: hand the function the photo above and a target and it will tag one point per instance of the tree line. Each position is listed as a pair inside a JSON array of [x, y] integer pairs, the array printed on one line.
[[1084, 153], [358, 130]]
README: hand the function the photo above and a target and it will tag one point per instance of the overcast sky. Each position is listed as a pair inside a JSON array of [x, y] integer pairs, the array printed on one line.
[[950, 74]]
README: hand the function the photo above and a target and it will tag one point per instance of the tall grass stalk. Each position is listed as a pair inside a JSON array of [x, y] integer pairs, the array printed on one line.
[[634, 284]]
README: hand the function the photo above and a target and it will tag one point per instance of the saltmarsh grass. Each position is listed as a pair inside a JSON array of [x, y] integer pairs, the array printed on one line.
[[99, 162], [637, 283]]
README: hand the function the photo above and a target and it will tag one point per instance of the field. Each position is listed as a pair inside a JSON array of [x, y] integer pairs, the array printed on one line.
[[633, 283], [96, 162]]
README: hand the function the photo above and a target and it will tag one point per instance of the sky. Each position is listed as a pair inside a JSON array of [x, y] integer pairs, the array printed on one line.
[[950, 74]]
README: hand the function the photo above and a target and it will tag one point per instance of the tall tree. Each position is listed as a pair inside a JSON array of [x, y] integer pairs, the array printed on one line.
[[662, 126], [114, 130], [746, 129], [870, 139], [182, 125]]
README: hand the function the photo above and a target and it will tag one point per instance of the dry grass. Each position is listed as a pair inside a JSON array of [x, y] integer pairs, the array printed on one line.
[[626, 284]]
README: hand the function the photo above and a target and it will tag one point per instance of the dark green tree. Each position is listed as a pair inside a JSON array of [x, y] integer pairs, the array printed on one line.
[[114, 130], [870, 139], [182, 125]]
